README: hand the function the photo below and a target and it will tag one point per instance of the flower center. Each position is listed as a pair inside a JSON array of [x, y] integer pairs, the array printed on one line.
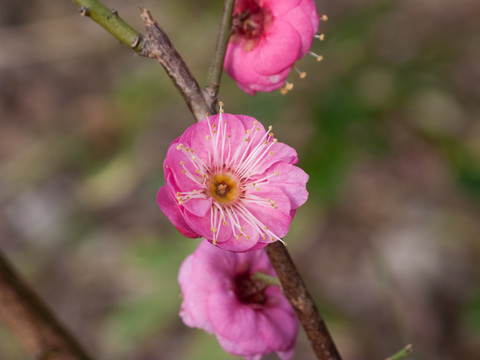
[[223, 188], [250, 291], [250, 21]]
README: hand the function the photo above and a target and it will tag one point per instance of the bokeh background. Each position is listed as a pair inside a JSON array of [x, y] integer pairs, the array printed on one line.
[[387, 126]]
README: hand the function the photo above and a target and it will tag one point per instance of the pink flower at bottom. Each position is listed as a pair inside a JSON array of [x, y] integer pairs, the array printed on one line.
[[249, 318], [230, 181], [270, 36]]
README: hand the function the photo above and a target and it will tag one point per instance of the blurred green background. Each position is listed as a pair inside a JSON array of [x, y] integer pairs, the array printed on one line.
[[387, 126]]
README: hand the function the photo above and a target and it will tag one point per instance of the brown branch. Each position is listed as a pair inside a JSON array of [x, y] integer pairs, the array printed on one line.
[[159, 47], [297, 294], [32, 322]]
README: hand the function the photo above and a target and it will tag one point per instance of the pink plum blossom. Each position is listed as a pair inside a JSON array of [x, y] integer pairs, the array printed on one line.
[[270, 36], [230, 181], [220, 296]]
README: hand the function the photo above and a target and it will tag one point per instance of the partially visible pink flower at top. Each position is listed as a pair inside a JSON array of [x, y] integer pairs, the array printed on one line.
[[230, 181], [270, 35], [220, 296]]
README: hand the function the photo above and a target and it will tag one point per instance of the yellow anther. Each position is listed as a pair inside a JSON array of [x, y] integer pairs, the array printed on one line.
[[271, 152], [179, 146], [221, 106], [182, 162], [324, 17]]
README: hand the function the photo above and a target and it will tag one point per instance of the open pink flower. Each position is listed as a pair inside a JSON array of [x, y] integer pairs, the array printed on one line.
[[228, 180], [248, 317], [270, 35]]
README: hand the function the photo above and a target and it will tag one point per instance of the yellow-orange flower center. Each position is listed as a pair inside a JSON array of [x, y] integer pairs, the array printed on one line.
[[223, 188]]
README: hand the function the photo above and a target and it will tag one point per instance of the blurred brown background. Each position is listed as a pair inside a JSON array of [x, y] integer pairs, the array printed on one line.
[[388, 127]]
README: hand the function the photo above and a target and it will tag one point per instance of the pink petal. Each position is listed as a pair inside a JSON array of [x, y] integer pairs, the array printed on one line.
[[292, 181], [278, 8], [279, 328], [301, 22], [169, 206], [234, 320], [193, 310], [276, 219], [278, 49]]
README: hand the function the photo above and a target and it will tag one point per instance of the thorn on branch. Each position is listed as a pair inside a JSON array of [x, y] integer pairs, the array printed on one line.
[[84, 11], [113, 13]]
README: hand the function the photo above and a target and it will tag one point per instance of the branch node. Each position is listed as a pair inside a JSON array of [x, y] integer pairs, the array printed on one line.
[[136, 41], [84, 11]]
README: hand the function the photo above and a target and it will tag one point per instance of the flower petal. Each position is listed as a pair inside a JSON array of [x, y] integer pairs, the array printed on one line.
[[170, 208]]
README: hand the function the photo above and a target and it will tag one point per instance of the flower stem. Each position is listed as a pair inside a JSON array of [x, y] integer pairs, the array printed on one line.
[[35, 326], [297, 294], [216, 67], [268, 280], [110, 21], [402, 354]]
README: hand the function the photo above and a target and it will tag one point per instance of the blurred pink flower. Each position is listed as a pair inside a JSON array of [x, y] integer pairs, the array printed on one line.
[[230, 181], [270, 35], [248, 317]]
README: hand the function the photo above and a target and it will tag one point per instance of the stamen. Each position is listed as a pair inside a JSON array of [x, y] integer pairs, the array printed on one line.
[[301, 74], [323, 17], [316, 56], [286, 88], [221, 106], [320, 37]]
